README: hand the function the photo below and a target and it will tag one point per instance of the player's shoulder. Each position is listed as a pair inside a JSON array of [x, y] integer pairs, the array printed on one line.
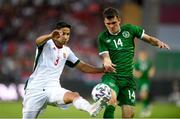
[[130, 27], [50, 41], [103, 34], [125, 26], [66, 47]]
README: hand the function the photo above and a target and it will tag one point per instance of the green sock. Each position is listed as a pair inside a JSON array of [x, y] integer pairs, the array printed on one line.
[[109, 112], [146, 103]]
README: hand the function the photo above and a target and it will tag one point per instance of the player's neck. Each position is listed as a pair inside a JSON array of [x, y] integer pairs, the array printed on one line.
[[58, 45], [116, 32]]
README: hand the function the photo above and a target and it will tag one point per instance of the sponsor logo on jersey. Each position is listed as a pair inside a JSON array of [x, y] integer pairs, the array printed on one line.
[[108, 40], [111, 84], [126, 34]]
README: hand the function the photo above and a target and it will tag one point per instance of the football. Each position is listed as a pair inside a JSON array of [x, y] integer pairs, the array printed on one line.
[[101, 90]]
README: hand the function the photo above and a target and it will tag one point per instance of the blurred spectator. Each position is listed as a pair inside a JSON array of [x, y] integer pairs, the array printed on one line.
[[18, 28]]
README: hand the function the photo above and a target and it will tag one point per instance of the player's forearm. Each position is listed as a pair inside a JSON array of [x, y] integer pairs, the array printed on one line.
[[91, 69], [105, 56], [87, 68], [151, 72], [152, 40], [42, 39]]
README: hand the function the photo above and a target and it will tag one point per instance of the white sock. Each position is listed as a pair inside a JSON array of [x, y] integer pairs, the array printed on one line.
[[82, 104]]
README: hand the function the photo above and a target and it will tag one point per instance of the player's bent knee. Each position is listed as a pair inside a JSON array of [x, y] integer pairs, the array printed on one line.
[[128, 115], [75, 95], [70, 96], [127, 111]]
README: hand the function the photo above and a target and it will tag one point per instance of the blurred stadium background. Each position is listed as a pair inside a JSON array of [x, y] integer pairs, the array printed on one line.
[[22, 21]]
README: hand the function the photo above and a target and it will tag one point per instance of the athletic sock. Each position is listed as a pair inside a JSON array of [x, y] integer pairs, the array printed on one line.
[[82, 104], [109, 112]]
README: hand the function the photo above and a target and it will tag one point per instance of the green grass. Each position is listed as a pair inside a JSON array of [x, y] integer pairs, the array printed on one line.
[[13, 110]]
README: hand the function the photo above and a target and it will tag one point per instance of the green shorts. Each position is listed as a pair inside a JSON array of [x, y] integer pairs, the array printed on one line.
[[124, 87], [143, 85]]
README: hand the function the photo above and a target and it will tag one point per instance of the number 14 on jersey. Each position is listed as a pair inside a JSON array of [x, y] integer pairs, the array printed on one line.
[[118, 43]]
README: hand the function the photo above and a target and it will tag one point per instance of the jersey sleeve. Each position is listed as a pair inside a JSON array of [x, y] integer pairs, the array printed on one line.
[[138, 31], [72, 60], [101, 45]]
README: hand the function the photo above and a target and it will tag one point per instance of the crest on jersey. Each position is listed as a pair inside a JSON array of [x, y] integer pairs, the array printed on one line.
[[126, 34]]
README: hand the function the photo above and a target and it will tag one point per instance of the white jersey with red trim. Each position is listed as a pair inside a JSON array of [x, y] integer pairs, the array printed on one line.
[[49, 64]]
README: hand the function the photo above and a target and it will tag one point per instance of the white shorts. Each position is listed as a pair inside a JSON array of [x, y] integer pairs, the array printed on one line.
[[36, 100]]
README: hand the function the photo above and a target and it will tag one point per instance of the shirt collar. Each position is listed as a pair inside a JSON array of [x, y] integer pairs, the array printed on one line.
[[115, 33]]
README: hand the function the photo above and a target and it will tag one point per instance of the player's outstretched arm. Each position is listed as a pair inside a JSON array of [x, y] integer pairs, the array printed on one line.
[[152, 71], [87, 68], [44, 38], [154, 41]]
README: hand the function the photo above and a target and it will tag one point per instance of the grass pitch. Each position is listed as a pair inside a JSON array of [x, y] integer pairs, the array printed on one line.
[[13, 110]]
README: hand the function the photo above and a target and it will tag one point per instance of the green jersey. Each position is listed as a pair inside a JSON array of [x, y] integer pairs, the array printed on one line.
[[120, 48], [143, 81], [144, 67]]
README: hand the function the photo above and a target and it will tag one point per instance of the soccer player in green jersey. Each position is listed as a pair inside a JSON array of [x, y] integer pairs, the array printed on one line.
[[143, 71], [116, 47]]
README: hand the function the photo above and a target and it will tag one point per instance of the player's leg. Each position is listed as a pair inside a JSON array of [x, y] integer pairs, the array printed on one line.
[[127, 111], [62, 96], [82, 104], [34, 101], [145, 98], [126, 98], [79, 102], [110, 109]]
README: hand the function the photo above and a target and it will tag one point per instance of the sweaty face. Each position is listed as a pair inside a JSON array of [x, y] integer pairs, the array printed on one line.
[[113, 24]]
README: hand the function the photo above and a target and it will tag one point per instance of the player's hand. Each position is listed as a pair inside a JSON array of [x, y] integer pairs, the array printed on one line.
[[58, 37], [109, 66], [163, 45], [55, 34]]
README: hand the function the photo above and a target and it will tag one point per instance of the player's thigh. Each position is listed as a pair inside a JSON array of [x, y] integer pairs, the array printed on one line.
[[127, 100], [56, 95], [127, 96], [70, 96], [33, 102], [111, 82]]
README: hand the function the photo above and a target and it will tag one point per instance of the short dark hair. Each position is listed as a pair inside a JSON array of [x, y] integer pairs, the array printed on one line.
[[110, 13], [62, 24]]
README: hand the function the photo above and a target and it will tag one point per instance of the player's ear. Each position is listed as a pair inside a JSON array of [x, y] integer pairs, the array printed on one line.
[[119, 20], [104, 21]]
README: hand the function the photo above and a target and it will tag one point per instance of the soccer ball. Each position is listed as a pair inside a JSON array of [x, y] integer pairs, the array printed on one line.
[[101, 90]]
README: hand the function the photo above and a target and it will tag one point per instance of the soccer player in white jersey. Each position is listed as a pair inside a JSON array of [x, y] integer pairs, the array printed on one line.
[[43, 86]]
